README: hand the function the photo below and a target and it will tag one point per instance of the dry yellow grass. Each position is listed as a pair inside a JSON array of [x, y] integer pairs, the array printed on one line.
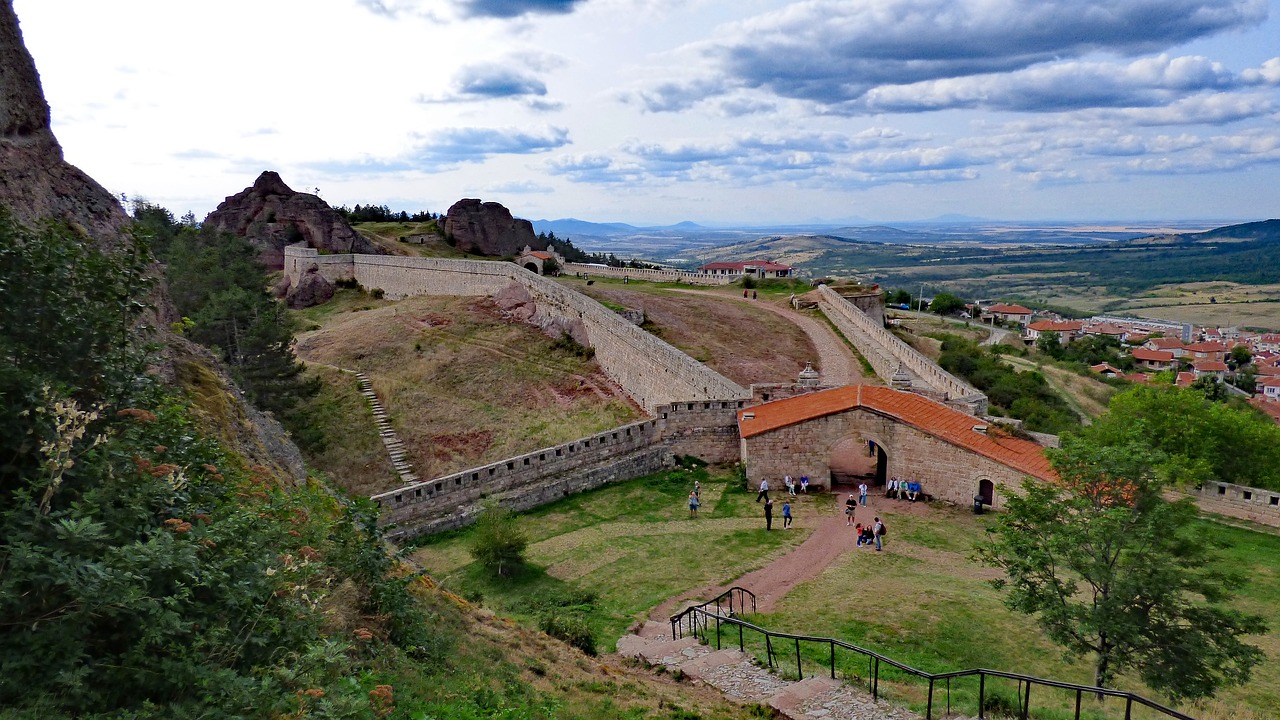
[[464, 386]]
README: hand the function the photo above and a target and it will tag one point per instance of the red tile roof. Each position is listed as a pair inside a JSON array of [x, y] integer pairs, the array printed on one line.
[[1271, 381], [1146, 355], [1056, 325], [1008, 309], [1185, 379], [1106, 329], [541, 255], [1206, 347], [915, 410], [1166, 343], [1267, 406], [1210, 366]]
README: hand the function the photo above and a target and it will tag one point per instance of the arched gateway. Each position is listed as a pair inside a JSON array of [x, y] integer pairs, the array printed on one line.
[[907, 435]]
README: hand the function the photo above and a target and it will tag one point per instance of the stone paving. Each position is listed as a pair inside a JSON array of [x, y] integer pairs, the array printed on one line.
[[740, 678]]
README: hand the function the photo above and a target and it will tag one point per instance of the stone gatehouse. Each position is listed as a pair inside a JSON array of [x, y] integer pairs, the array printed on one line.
[[866, 431]]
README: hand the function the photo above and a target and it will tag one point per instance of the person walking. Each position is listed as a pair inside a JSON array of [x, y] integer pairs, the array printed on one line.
[[768, 514], [862, 494], [764, 490], [879, 533], [786, 514], [849, 506], [694, 502]]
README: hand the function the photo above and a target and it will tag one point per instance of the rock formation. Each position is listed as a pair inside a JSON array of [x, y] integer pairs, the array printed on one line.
[[487, 228], [311, 289], [271, 215], [36, 183]]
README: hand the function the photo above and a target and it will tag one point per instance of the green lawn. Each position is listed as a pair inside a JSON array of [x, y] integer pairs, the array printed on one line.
[[925, 601], [630, 545]]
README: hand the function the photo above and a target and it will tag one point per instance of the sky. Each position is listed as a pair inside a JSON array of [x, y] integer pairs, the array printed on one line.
[[736, 112]]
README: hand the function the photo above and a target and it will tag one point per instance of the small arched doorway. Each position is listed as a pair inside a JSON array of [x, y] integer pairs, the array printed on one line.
[[856, 460], [533, 268], [987, 491]]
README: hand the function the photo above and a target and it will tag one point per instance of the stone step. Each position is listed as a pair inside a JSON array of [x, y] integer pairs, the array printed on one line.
[[791, 698], [668, 652]]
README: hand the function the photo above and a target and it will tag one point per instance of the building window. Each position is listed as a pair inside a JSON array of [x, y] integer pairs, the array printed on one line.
[[1248, 495]]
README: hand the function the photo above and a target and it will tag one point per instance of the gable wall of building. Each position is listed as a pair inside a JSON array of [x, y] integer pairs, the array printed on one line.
[[947, 472]]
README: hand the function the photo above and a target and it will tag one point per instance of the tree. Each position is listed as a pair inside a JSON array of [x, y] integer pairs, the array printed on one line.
[[1050, 343], [945, 303], [1240, 356], [499, 545], [1111, 569]]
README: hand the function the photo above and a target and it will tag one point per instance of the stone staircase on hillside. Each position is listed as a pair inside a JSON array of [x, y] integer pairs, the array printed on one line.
[[742, 680], [395, 448]]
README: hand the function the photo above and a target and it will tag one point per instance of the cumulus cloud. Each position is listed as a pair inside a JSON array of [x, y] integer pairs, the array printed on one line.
[[834, 53], [494, 81], [833, 160], [452, 146], [512, 78], [502, 9], [1055, 87]]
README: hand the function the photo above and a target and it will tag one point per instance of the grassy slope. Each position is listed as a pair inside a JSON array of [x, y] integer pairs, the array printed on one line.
[[353, 452], [742, 342], [463, 386]]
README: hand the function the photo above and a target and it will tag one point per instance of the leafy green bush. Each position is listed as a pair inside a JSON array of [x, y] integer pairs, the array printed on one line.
[[569, 628], [498, 545]]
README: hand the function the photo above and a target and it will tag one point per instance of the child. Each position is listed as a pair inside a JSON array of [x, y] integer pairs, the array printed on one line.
[[786, 514], [857, 533], [694, 502], [804, 484]]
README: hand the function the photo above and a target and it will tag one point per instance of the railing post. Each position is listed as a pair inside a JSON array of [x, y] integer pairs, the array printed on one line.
[[928, 708], [875, 682], [1078, 704], [799, 671], [982, 695], [948, 697], [768, 648], [1128, 707], [717, 632], [674, 622], [833, 659], [1026, 705], [870, 674], [742, 647]]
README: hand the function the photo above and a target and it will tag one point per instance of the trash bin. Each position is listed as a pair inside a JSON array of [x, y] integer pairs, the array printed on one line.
[[977, 504]]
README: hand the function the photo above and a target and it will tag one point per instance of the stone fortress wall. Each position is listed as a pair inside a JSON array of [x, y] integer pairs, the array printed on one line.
[[705, 429], [651, 371], [1239, 501], [886, 353], [663, 275], [694, 408]]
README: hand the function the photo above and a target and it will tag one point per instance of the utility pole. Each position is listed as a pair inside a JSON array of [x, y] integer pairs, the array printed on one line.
[[921, 296]]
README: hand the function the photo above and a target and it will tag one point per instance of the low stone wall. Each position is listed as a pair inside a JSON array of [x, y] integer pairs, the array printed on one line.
[[651, 371], [650, 275], [704, 429], [885, 352], [1239, 501], [524, 481]]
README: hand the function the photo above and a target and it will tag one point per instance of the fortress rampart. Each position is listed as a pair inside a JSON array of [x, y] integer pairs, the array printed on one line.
[[651, 371], [662, 275], [705, 429], [886, 352]]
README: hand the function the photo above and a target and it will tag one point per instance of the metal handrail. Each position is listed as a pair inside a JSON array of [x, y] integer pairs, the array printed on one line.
[[698, 615]]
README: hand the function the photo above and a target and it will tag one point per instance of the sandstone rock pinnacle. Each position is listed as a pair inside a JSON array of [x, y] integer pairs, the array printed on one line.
[[36, 183], [272, 215], [487, 228]]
